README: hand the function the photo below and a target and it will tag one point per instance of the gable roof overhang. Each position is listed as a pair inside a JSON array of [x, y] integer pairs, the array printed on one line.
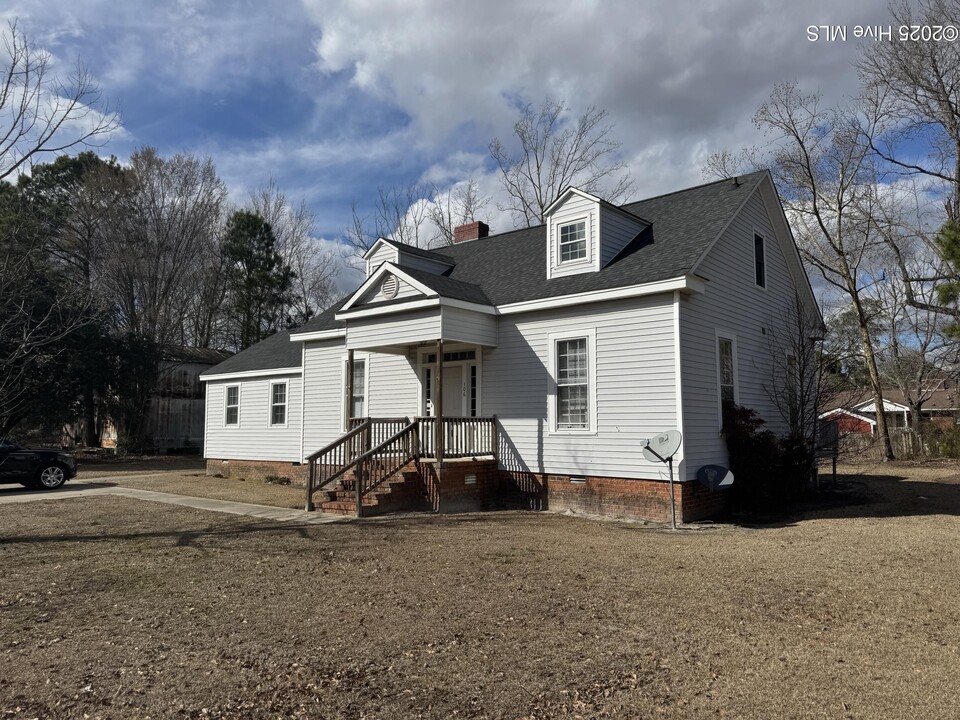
[[387, 268], [571, 190], [848, 412], [421, 282], [788, 245], [889, 406]]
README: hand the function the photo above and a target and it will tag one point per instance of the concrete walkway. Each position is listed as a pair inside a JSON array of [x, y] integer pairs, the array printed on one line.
[[264, 512]]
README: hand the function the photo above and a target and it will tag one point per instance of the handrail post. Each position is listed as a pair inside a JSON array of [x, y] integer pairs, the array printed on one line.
[[358, 486], [495, 436], [309, 505]]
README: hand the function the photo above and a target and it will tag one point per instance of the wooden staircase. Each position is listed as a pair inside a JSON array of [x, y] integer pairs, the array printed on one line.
[[371, 469], [402, 492]]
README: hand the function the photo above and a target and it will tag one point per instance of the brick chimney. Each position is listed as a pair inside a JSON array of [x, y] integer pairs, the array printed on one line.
[[470, 231]]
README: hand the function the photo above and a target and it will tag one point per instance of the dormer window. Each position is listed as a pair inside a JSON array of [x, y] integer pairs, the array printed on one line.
[[573, 241]]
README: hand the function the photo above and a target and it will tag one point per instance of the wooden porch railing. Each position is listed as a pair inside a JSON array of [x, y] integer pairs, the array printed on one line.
[[462, 436], [378, 464], [378, 447]]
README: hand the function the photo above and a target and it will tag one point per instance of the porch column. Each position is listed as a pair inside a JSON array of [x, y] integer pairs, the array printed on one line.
[[349, 402], [438, 405]]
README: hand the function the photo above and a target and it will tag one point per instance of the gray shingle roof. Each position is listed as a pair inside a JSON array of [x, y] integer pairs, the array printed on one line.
[[449, 287], [511, 267], [437, 255], [277, 351]]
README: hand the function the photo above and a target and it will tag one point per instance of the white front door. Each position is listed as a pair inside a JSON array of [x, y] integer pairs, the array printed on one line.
[[453, 391]]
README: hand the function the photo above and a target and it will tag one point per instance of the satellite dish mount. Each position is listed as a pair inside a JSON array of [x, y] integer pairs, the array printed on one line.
[[662, 448]]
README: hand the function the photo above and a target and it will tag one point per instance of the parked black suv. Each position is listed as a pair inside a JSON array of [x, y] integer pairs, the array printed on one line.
[[45, 469]]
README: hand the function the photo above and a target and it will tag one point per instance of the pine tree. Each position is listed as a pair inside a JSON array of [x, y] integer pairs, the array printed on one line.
[[258, 280]]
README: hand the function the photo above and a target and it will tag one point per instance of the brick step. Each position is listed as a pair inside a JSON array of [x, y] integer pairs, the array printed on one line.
[[404, 491], [344, 507]]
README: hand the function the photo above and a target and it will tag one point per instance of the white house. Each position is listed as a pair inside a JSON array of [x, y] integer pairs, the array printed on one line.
[[550, 354]]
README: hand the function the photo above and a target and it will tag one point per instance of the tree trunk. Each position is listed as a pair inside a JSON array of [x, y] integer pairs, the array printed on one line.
[[867, 342], [91, 438], [916, 445]]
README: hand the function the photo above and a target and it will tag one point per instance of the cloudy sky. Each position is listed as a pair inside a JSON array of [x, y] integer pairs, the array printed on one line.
[[334, 98]]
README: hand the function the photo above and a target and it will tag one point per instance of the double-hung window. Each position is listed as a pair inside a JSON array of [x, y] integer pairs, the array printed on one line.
[[571, 366], [278, 403], [573, 241], [231, 411]]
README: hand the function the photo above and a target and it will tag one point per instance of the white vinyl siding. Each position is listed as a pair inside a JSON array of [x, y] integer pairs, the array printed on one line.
[[574, 209], [323, 363], [733, 306], [617, 230], [384, 253], [253, 438], [391, 389], [394, 329], [635, 395], [394, 390], [468, 326]]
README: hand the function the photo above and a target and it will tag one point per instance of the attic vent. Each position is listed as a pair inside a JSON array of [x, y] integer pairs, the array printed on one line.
[[390, 287]]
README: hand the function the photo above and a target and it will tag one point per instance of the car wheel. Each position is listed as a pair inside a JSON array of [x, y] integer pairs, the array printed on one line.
[[51, 476]]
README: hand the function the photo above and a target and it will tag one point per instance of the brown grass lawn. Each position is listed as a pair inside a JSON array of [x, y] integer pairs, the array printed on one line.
[[116, 608]]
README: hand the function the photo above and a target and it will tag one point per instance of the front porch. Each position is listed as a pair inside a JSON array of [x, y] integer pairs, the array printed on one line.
[[392, 464]]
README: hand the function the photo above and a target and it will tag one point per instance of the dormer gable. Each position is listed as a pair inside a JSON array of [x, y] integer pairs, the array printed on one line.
[[386, 250], [387, 283], [586, 233]]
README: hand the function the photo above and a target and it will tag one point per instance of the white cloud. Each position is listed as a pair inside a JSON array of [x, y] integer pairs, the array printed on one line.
[[677, 84]]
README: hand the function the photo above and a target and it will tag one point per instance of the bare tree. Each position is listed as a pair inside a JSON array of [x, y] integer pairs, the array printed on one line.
[[456, 206], [918, 353], [294, 229], [36, 311], [554, 154], [402, 213], [41, 112], [801, 380], [912, 93], [828, 184], [159, 238]]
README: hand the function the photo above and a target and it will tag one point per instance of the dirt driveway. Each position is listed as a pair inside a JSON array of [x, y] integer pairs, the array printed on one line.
[[115, 608]]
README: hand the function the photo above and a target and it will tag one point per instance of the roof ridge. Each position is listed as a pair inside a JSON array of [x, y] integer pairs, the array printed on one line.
[[694, 187]]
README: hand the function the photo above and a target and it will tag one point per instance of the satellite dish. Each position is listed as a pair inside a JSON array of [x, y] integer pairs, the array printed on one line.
[[715, 477], [662, 446]]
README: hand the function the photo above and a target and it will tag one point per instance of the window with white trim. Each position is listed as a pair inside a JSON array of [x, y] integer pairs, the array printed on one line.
[[278, 403], [573, 384], [759, 261], [726, 374], [358, 402], [572, 239], [231, 412]]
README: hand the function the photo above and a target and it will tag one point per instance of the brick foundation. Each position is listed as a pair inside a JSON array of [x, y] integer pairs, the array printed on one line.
[[447, 487], [616, 497], [258, 470]]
